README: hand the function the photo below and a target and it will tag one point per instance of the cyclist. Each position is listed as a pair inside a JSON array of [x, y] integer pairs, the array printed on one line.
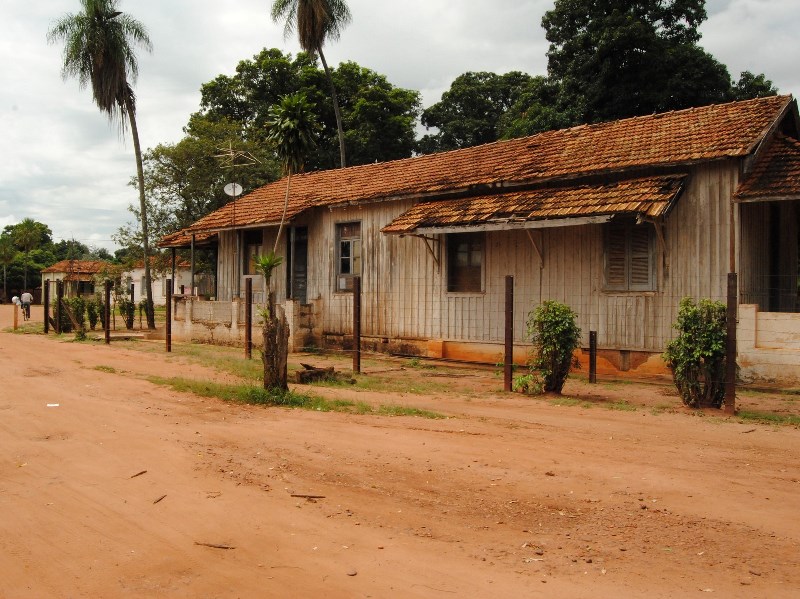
[[26, 299]]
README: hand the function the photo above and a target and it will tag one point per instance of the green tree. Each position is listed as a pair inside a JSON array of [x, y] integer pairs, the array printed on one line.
[[617, 58], [469, 112], [753, 86], [7, 255], [99, 51], [291, 130], [540, 106], [316, 21], [28, 235]]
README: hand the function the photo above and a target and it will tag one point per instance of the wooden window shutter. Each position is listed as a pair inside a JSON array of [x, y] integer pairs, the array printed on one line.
[[641, 245], [615, 257]]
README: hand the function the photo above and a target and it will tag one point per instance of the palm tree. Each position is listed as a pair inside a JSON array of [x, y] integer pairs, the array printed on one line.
[[7, 254], [316, 21], [292, 127], [99, 51], [27, 235]]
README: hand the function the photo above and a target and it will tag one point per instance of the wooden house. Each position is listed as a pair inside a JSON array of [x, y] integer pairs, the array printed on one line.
[[618, 220]]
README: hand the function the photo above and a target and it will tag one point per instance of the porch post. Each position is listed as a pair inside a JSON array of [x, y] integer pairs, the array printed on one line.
[[191, 274]]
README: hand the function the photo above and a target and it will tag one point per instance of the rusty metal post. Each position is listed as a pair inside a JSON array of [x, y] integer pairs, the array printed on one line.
[[168, 325], [248, 318], [107, 310], [592, 356], [508, 360], [730, 345], [59, 301], [357, 324], [46, 302]]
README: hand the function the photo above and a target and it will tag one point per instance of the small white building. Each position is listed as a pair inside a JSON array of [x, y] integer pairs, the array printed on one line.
[[160, 275]]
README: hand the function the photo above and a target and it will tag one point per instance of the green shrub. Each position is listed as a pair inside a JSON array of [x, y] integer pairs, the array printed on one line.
[[127, 309], [555, 337], [94, 308], [696, 356]]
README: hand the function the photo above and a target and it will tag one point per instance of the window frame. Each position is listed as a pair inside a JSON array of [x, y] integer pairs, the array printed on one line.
[[344, 280], [460, 283], [249, 243], [628, 235]]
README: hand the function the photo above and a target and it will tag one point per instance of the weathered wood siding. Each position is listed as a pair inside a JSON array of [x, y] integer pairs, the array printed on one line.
[[404, 288]]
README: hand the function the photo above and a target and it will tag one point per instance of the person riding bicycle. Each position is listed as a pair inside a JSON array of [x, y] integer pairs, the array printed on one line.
[[26, 299]]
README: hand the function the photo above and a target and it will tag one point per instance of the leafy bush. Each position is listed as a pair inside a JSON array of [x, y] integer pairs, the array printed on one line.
[[77, 307], [555, 337], [95, 311], [127, 309], [696, 356]]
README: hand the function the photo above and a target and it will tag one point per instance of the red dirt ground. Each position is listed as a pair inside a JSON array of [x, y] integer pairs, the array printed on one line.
[[507, 497]]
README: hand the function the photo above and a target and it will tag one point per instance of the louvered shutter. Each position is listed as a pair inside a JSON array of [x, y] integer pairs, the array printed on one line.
[[616, 270], [640, 274]]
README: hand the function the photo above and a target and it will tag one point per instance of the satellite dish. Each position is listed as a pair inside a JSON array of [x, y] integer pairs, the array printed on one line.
[[233, 189]]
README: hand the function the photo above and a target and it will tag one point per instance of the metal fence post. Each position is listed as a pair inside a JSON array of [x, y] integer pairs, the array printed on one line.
[[248, 318], [592, 356], [107, 310]]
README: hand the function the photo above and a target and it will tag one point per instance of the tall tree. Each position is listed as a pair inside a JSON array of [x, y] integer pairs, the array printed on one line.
[[7, 254], [28, 235], [469, 112], [316, 21], [621, 58], [99, 51]]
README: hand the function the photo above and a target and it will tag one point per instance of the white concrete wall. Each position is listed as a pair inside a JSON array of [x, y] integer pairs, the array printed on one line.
[[769, 346]]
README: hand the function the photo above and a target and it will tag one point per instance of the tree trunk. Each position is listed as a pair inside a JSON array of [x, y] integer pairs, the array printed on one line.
[[285, 207], [148, 283], [276, 348], [336, 110]]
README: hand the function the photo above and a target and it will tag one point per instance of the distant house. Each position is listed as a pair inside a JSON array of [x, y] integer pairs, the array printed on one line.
[[79, 276], [160, 272], [619, 220]]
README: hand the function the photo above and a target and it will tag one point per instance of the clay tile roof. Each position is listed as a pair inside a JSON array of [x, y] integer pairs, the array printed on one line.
[[649, 197], [776, 174], [668, 139], [78, 267], [183, 239]]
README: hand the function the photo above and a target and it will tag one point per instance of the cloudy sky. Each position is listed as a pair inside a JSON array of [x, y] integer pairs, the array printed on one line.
[[62, 164]]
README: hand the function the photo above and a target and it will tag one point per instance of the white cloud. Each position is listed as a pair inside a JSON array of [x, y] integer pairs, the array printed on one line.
[[62, 164]]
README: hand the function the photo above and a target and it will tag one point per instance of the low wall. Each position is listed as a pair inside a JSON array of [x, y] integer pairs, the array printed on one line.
[[769, 346]]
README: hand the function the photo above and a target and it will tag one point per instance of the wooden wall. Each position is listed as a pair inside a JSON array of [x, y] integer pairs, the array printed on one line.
[[404, 288]]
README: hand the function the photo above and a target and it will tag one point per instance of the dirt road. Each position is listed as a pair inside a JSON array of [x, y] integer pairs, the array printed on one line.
[[111, 486]]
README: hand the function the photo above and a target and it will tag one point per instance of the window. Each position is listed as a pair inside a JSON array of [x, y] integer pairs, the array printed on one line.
[[465, 262], [629, 256], [348, 255], [253, 243]]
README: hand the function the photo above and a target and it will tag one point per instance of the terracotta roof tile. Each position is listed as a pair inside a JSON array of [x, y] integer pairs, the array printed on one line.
[[78, 266], [776, 174], [649, 197], [673, 138]]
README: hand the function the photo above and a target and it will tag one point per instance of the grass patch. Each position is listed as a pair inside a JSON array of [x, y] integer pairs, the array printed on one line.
[[259, 396], [572, 401], [377, 383], [33, 328], [621, 406], [109, 369], [768, 418]]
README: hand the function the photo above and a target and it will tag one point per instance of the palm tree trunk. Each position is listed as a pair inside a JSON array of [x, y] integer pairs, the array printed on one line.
[[336, 110], [137, 150], [285, 207]]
